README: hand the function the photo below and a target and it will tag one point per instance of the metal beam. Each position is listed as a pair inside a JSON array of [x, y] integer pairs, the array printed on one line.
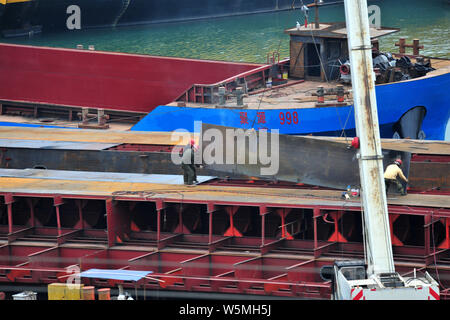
[[315, 162]]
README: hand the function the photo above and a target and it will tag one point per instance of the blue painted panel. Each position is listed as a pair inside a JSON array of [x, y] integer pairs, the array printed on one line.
[[17, 124]]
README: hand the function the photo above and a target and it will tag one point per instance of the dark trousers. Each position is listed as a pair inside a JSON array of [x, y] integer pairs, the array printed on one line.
[[190, 174], [398, 185]]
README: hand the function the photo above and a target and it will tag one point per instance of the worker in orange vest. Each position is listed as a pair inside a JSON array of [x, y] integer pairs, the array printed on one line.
[[392, 176]]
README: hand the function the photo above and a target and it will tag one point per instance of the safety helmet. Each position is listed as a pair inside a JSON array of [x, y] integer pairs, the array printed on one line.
[[193, 145], [398, 162]]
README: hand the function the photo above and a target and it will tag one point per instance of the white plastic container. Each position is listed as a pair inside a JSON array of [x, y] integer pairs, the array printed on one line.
[[26, 295]]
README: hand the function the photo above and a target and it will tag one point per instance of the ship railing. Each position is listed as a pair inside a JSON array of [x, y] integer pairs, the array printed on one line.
[[249, 80]]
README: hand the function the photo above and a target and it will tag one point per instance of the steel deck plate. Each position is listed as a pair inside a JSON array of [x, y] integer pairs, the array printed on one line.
[[98, 176], [89, 135], [78, 184], [62, 145], [165, 138]]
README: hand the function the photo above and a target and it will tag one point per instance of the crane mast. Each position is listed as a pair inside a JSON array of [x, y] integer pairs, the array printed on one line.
[[378, 240], [374, 278]]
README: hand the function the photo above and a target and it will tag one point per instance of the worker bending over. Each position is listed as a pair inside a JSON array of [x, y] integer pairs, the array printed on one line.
[[392, 175], [187, 163]]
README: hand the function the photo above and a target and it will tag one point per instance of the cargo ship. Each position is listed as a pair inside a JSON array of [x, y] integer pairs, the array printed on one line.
[[25, 16], [230, 236], [163, 94]]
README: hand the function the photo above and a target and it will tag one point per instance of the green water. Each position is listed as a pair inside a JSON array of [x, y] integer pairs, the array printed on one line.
[[251, 38]]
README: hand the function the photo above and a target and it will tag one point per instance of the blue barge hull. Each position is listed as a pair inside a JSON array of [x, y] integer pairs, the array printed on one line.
[[394, 100]]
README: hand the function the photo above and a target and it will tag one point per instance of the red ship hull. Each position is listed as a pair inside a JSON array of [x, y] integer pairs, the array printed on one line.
[[115, 81]]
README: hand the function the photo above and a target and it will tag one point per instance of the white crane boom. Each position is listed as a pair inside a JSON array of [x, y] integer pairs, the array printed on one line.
[[378, 239], [379, 281]]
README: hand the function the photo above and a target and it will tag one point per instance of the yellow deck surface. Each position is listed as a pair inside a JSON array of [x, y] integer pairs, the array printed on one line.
[[201, 193], [88, 135], [165, 138]]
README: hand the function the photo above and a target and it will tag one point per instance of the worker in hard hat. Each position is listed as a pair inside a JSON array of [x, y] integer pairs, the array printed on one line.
[[187, 163], [392, 176]]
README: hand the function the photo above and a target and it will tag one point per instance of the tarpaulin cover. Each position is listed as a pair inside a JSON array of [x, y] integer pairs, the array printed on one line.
[[126, 275]]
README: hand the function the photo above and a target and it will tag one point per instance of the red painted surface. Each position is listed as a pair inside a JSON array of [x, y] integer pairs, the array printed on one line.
[[429, 158], [101, 79], [207, 261]]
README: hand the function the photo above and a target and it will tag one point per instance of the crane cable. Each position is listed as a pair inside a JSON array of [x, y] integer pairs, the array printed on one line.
[[262, 96], [328, 82]]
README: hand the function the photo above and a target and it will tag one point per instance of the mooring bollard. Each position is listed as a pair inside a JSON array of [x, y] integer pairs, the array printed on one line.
[[340, 93], [320, 95], [415, 46], [88, 293], [104, 294]]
